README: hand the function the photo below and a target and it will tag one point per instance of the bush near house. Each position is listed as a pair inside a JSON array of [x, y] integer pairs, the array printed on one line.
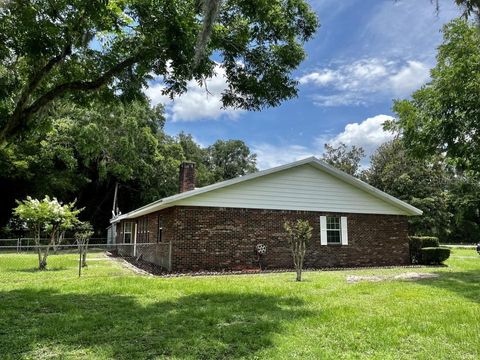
[[434, 255], [417, 243]]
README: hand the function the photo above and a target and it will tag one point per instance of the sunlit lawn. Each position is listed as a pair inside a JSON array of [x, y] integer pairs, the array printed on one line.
[[113, 313]]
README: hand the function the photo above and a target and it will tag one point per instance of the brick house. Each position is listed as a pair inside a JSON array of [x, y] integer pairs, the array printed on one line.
[[217, 227]]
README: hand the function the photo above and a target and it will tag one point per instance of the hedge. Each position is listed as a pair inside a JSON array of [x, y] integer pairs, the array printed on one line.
[[419, 242], [434, 255]]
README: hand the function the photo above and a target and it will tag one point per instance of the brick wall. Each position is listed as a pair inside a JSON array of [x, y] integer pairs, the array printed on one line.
[[150, 253], [225, 238]]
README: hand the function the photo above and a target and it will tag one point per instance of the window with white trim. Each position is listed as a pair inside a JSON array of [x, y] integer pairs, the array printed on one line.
[[127, 232], [334, 230]]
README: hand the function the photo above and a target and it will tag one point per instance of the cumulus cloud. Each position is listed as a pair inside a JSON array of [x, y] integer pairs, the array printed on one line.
[[368, 134], [197, 103], [364, 81], [411, 76]]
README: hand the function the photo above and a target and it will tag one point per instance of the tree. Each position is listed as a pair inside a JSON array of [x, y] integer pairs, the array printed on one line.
[[344, 159], [420, 182], [470, 7], [45, 217], [464, 204], [299, 233], [82, 151], [230, 159], [443, 117], [50, 50], [83, 233]]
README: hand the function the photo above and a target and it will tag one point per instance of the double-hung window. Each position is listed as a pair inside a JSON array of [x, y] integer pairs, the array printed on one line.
[[127, 232], [333, 230]]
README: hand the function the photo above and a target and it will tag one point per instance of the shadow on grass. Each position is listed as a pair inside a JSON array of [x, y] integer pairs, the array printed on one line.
[[464, 283], [35, 270], [206, 325]]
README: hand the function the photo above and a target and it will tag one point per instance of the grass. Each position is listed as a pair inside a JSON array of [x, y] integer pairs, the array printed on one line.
[[113, 313]]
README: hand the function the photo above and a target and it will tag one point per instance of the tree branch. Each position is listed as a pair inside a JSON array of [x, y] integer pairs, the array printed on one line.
[[77, 86], [21, 116], [38, 76]]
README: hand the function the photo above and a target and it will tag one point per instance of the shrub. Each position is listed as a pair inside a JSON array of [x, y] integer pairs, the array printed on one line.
[[417, 243], [299, 233], [434, 255]]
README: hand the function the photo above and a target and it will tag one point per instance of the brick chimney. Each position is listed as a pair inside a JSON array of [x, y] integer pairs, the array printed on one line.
[[186, 176]]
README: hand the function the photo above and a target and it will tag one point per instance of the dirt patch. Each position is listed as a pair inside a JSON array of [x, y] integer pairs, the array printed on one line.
[[138, 266], [411, 276]]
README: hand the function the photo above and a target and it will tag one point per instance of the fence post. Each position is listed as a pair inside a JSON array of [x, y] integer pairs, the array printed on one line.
[[169, 256], [18, 245]]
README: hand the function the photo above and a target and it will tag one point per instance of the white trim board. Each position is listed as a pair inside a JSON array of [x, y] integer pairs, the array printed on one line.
[[398, 207]]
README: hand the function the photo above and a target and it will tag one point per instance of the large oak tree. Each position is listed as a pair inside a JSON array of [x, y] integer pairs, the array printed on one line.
[[57, 48]]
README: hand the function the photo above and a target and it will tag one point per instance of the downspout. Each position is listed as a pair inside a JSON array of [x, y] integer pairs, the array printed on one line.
[[135, 241]]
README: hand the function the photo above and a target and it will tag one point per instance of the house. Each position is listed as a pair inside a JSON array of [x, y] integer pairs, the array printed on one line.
[[218, 227]]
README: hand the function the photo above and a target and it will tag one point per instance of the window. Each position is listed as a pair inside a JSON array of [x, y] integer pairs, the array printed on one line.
[[143, 229], [127, 232], [160, 229], [334, 230]]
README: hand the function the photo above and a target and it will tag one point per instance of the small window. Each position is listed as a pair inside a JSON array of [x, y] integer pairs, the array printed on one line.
[[127, 232], [160, 229], [334, 230]]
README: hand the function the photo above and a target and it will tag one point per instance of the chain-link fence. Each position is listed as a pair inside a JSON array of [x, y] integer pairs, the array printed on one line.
[[26, 254]]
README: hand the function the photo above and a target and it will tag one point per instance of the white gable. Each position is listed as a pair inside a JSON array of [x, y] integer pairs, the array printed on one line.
[[308, 184], [302, 187]]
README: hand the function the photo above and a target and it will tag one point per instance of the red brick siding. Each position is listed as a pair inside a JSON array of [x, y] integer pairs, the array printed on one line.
[[225, 238], [151, 236]]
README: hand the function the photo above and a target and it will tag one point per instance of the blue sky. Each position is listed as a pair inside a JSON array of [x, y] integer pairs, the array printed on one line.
[[366, 53]]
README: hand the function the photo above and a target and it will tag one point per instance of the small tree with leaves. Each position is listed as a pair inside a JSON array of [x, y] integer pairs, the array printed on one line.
[[299, 233], [83, 233], [46, 217]]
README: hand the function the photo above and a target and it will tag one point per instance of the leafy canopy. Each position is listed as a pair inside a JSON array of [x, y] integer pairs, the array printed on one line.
[[46, 214], [344, 158], [420, 182], [52, 49], [443, 117]]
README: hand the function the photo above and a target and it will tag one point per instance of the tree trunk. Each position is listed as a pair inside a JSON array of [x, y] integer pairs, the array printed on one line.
[[84, 255], [299, 274], [43, 264], [39, 250]]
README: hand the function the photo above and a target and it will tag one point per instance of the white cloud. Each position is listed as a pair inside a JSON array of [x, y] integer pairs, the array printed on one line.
[[411, 76], [269, 155], [365, 81], [368, 134], [197, 103], [405, 28], [321, 78]]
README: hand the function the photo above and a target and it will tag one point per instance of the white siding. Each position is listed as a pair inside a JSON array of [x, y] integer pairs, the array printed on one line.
[[299, 188]]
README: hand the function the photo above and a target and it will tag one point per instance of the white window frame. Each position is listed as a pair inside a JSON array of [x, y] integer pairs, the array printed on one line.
[[125, 232], [324, 231], [339, 230]]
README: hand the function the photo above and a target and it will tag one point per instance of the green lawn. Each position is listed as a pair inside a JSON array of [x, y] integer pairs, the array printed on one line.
[[114, 313]]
